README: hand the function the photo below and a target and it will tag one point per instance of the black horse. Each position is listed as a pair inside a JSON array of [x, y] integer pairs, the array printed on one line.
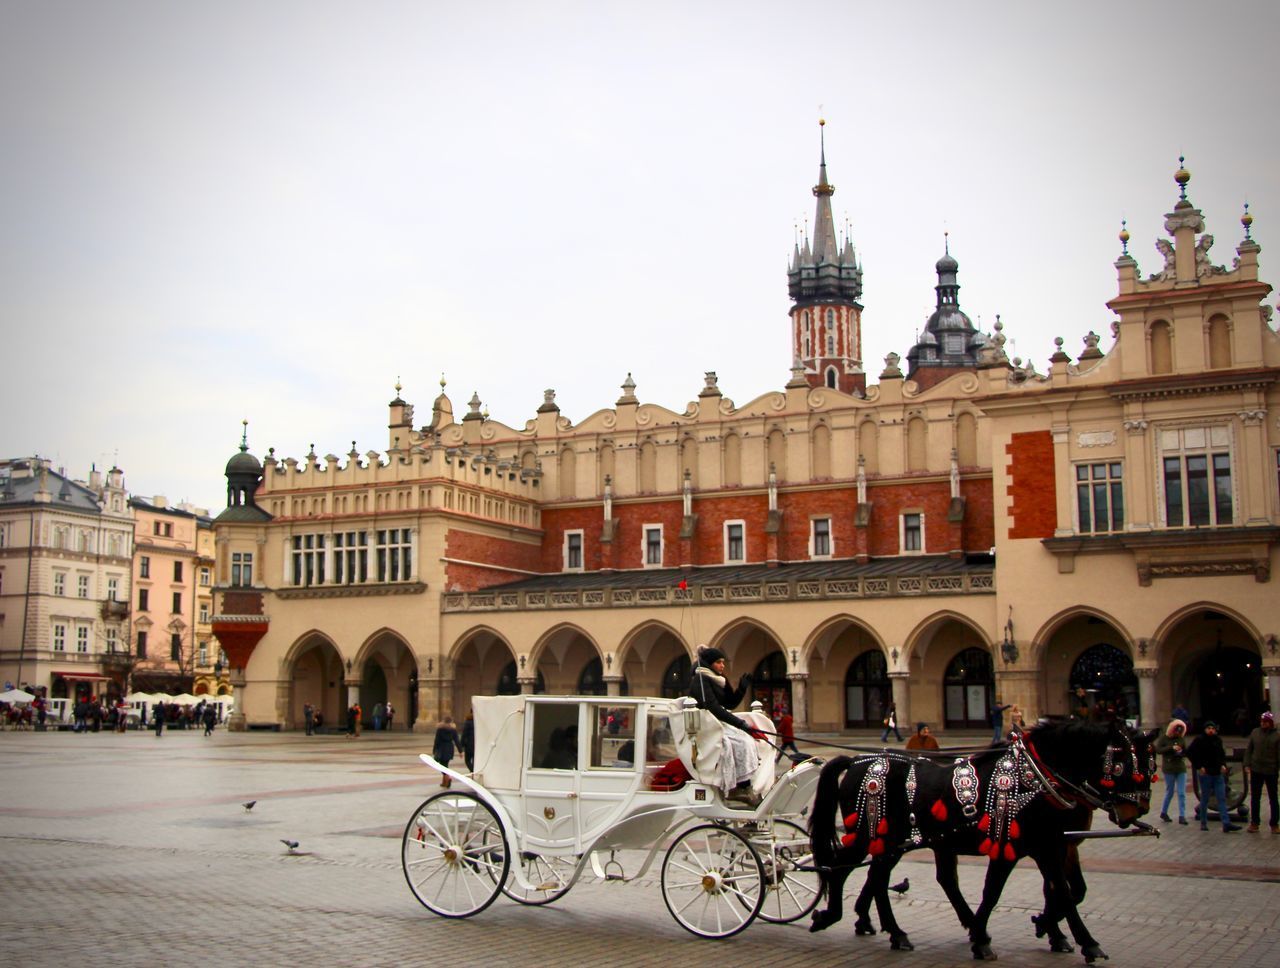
[[1006, 802]]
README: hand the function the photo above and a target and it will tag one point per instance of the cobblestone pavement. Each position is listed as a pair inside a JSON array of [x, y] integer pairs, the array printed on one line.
[[132, 850]]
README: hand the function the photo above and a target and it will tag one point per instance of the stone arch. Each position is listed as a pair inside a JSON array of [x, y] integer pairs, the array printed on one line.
[[559, 655], [1039, 642], [827, 655], [1211, 664], [1060, 643], [917, 641], [314, 671], [476, 660], [820, 641], [748, 642], [930, 652], [646, 652], [1175, 618], [388, 672]]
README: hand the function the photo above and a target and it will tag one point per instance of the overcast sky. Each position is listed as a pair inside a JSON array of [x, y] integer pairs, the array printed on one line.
[[272, 210]]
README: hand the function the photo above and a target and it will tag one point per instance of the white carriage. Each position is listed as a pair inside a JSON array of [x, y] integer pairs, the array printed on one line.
[[563, 783]]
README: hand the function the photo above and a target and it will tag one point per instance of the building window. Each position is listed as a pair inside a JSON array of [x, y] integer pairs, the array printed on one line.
[[242, 568], [953, 344], [59, 583], [394, 550], [175, 647], [144, 567], [82, 586], [204, 612], [82, 638], [163, 528], [59, 637], [177, 571], [1196, 470], [113, 640], [912, 536], [177, 603], [205, 577], [4, 535], [142, 645], [653, 545], [59, 538], [573, 551], [143, 597], [113, 586], [831, 343], [350, 557], [203, 651], [735, 533], [1099, 497], [820, 538], [308, 559]]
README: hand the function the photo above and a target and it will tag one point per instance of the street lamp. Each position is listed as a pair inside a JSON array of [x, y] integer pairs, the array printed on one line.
[[1009, 648]]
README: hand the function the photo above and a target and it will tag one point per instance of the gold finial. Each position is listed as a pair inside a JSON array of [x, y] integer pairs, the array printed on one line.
[[397, 385], [1182, 176], [442, 383], [1247, 221], [1124, 235]]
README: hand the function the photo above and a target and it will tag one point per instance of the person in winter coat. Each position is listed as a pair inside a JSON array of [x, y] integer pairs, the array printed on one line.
[[447, 739], [1261, 765], [1210, 760], [469, 742], [1172, 747], [891, 722], [210, 718], [923, 739], [709, 687]]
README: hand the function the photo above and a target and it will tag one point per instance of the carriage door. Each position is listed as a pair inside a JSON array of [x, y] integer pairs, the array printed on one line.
[[613, 772], [551, 775]]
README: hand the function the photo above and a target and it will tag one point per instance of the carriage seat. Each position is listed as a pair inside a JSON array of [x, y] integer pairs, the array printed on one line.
[[710, 739]]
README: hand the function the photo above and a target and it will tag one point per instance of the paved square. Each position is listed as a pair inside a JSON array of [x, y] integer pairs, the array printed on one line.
[[132, 850]]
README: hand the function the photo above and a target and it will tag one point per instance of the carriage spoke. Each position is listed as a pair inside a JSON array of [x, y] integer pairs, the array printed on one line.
[[453, 854]]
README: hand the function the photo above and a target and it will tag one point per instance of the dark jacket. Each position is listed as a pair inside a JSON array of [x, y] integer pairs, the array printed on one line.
[[1170, 761], [469, 738], [1262, 754], [445, 741], [1206, 753], [713, 694]]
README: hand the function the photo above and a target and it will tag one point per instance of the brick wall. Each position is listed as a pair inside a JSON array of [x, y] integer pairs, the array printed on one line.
[[492, 551], [933, 498], [1032, 494]]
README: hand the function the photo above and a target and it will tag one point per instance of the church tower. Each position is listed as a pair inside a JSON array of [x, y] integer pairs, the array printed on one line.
[[825, 284]]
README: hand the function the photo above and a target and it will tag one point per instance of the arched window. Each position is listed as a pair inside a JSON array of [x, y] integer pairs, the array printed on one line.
[[1161, 347], [869, 446], [1105, 673], [675, 681], [804, 343], [967, 440], [831, 377], [568, 472], [1219, 342], [591, 681], [777, 449], [866, 690], [770, 685], [917, 445], [509, 685], [820, 443], [732, 461], [969, 685], [648, 467]]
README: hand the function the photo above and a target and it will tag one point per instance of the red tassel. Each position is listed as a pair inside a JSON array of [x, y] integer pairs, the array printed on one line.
[[939, 811], [1154, 777], [985, 823], [1108, 782], [851, 821], [1014, 830], [876, 848], [1009, 854], [848, 839], [985, 847], [1138, 778], [882, 827], [994, 852]]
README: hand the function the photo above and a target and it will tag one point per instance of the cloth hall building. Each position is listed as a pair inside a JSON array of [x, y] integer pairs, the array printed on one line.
[[966, 530]]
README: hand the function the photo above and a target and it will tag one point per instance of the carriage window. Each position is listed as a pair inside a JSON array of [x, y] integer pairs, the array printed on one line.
[[614, 744], [555, 736], [661, 748]]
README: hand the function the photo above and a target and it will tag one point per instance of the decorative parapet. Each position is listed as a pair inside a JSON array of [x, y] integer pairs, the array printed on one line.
[[721, 594]]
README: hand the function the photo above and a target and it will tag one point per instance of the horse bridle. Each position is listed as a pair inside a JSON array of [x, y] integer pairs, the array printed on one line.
[[1084, 792]]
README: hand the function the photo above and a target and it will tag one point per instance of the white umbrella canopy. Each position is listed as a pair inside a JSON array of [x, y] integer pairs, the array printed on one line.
[[139, 697], [185, 699], [16, 695]]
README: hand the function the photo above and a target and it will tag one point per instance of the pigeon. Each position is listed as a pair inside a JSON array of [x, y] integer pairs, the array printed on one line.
[[291, 844], [903, 887], [248, 806]]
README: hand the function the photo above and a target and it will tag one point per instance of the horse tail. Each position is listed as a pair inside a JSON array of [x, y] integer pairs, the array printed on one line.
[[822, 822]]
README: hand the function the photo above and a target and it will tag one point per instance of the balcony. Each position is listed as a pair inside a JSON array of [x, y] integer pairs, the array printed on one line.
[[113, 611]]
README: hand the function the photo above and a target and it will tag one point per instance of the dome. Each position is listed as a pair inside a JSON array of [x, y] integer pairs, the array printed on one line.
[[244, 463], [947, 264]]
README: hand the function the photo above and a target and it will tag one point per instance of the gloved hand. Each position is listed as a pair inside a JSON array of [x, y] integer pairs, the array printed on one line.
[[744, 680]]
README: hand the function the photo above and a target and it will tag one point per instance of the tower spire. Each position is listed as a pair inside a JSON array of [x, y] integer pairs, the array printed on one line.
[[824, 227]]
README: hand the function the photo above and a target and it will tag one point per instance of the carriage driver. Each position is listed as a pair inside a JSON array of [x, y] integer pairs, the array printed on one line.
[[710, 689]]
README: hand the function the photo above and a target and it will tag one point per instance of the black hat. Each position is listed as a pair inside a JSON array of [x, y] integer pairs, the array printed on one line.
[[707, 656], [1210, 724]]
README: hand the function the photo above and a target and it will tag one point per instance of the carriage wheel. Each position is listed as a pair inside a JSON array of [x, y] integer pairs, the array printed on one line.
[[454, 854], [792, 887], [552, 877], [712, 881]]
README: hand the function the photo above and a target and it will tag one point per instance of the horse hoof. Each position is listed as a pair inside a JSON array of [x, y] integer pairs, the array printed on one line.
[[863, 928], [1061, 946], [1040, 928], [983, 952], [901, 942], [822, 920], [1092, 953]]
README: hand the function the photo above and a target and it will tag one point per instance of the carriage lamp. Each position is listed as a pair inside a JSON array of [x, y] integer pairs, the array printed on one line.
[[1009, 648], [691, 718]]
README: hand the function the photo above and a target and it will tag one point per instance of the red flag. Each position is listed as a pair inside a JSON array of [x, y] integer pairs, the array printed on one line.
[[683, 586]]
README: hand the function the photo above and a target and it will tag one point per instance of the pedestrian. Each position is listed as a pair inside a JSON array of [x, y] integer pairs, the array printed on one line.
[[359, 719], [922, 739], [308, 717], [469, 742], [446, 741], [157, 717], [890, 722], [1210, 761], [786, 734], [391, 715], [1017, 719], [1172, 747], [996, 713], [351, 722], [1261, 765], [210, 717]]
